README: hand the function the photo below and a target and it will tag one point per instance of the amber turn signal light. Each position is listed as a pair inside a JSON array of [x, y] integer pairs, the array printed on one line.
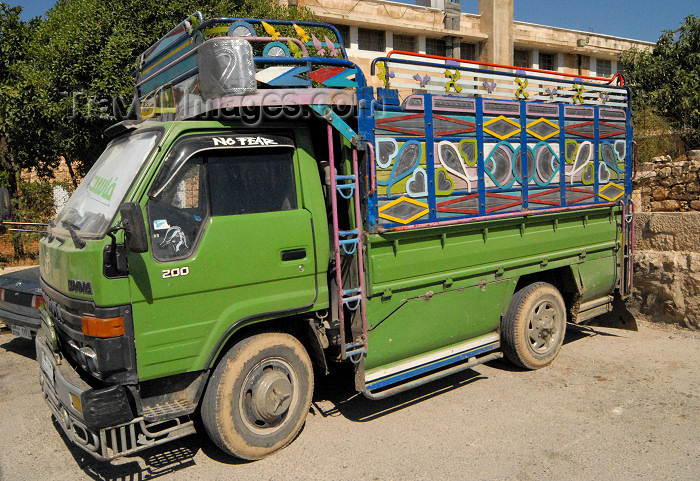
[[103, 326]]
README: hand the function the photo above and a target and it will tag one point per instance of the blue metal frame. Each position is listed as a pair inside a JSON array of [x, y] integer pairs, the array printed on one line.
[[177, 43], [562, 156], [306, 61], [524, 177], [480, 164], [302, 23], [596, 154], [365, 127], [430, 157]]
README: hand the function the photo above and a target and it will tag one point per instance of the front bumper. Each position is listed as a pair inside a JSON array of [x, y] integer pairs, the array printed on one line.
[[81, 410]]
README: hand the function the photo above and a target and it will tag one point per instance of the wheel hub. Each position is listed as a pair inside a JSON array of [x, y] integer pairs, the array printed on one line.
[[267, 395], [542, 330], [272, 395]]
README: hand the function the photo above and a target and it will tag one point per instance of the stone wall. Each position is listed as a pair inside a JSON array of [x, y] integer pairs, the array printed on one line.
[[667, 185], [667, 267]]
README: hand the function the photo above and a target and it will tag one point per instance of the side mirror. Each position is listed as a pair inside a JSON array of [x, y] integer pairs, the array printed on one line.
[[134, 227], [5, 205]]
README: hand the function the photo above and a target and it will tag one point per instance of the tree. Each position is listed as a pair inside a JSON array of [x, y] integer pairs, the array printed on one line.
[[22, 94], [86, 51], [668, 79], [52, 72]]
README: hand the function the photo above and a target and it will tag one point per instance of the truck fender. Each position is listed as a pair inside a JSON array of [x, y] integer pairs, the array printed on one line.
[[306, 330], [315, 340]]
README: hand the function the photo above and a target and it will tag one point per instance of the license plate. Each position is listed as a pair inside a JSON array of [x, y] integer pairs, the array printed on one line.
[[46, 366], [20, 331]]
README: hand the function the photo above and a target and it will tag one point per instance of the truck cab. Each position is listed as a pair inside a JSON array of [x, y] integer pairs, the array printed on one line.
[[235, 225]]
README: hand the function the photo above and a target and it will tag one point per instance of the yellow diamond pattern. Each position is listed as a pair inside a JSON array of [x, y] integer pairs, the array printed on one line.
[[612, 192], [554, 131], [500, 120], [419, 210]]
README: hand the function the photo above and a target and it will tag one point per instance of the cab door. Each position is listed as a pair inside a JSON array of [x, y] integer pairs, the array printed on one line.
[[229, 242]]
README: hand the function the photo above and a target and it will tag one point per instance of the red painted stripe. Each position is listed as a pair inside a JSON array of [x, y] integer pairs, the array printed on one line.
[[617, 77], [545, 192], [451, 210], [506, 206], [458, 199], [502, 196], [443, 133], [402, 131], [323, 74], [544, 202]]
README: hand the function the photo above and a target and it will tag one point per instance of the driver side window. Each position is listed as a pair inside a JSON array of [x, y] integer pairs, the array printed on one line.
[[176, 215]]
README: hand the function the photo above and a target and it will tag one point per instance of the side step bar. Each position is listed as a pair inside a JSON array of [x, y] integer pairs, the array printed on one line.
[[460, 361]]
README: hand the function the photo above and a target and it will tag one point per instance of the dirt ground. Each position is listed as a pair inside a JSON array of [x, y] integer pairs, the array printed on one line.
[[615, 405]]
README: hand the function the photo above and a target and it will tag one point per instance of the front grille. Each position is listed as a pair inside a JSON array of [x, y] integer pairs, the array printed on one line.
[[62, 315]]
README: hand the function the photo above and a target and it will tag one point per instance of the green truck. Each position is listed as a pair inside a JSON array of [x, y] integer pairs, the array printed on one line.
[[269, 214]]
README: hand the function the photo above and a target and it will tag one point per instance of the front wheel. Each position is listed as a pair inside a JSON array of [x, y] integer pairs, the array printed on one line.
[[532, 331], [259, 395]]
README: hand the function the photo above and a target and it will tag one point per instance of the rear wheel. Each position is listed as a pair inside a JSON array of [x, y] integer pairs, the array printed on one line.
[[532, 331], [259, 395]]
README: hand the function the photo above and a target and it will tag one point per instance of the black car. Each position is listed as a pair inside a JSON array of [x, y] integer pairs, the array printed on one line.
[[20, 298]]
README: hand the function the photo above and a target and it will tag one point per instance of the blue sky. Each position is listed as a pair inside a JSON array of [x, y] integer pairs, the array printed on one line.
[[638, 19]]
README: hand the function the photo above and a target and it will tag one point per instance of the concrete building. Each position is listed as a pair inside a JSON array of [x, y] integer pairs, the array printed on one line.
[[438, 27]]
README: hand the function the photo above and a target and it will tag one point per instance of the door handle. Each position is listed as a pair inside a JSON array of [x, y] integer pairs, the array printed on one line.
[[293, 254]]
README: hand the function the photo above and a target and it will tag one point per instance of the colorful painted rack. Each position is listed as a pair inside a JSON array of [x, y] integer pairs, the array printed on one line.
[[443, 75], [198, 64], [458, 150]]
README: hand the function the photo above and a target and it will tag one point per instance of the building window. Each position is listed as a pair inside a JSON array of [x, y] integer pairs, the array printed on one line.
[[407, 43], [603, 68], [547, 61], [521, 58], [435, 46], [374, 40], [344, 31], [467, 51], [620, 68]]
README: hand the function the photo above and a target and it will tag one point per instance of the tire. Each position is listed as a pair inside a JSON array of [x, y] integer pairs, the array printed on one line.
[[533, 329], [259, 395]]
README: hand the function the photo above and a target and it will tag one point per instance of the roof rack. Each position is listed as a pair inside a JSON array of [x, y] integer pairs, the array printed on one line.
[[203, 65]]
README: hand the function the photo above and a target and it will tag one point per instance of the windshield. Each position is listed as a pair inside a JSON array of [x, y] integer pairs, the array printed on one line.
[[94, 204]]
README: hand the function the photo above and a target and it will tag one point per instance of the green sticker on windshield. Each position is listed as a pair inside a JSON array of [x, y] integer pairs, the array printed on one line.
[[103, 187]]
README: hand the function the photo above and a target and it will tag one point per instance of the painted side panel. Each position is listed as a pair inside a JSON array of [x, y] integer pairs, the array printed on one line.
[[431, 288], [421, 324], [406, 259]]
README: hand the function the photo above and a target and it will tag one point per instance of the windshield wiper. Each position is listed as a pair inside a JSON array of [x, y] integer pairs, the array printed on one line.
[[73, 229]]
